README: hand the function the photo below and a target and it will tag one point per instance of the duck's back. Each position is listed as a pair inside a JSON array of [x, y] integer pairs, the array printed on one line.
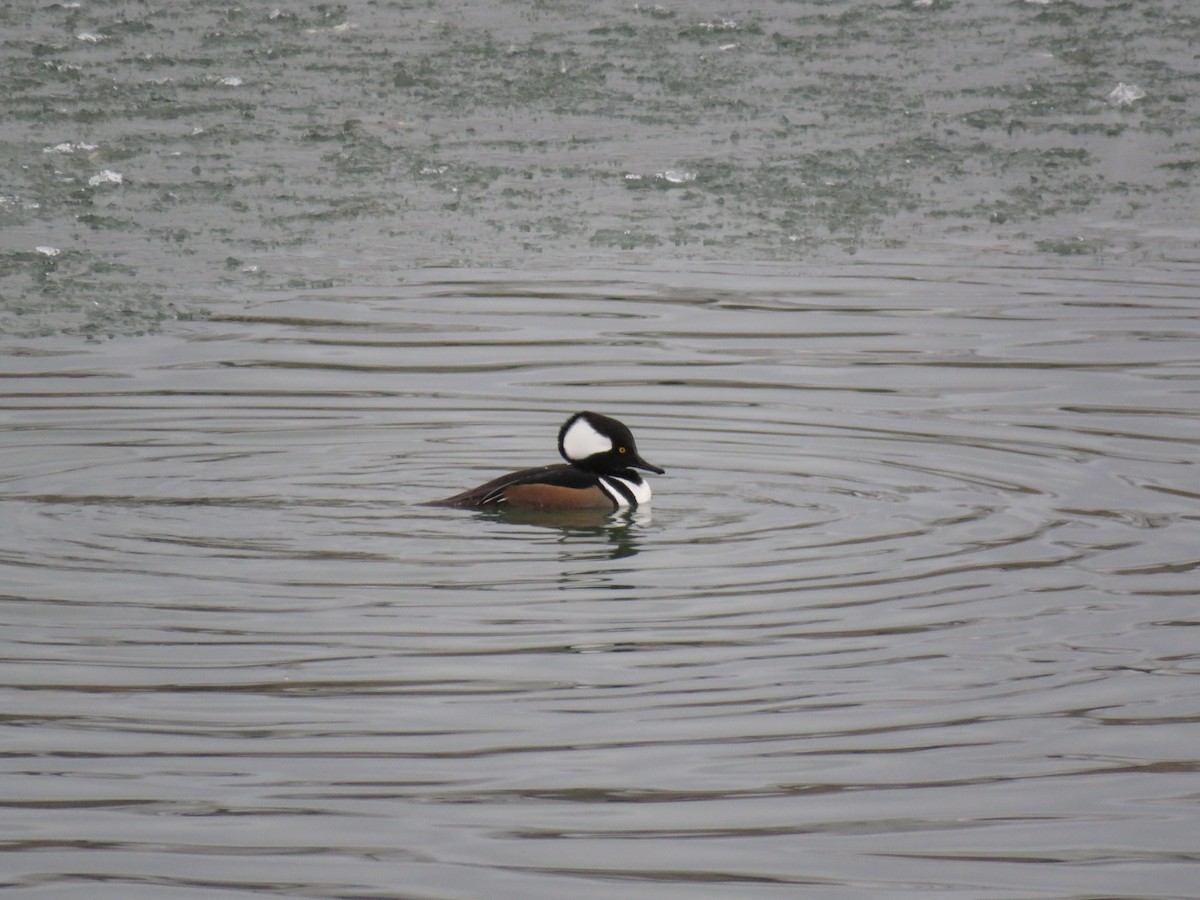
[[560, 486]]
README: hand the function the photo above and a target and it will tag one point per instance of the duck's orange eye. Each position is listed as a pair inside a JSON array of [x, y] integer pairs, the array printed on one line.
[[620, 449]]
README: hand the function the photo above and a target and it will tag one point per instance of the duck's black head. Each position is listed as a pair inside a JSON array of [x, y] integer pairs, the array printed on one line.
[[600, 444]]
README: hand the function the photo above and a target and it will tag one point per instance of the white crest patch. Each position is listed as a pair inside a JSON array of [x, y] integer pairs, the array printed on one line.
[[582, 441]]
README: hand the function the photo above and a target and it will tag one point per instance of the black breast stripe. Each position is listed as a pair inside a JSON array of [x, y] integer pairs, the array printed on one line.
[[618, 491]]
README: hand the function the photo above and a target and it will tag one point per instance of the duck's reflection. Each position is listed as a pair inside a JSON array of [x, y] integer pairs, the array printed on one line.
[[619, 528]]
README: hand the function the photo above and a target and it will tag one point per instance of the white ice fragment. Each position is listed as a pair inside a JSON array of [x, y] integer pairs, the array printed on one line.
[[336, 29], [106, 177], [231, 81], [90, 37], [1124, 94], [676, 176], [922, 4], [632, 176], [48, 251], [68, 147]]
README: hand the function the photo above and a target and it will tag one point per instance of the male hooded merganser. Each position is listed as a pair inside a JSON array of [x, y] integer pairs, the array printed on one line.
[[599, 473]]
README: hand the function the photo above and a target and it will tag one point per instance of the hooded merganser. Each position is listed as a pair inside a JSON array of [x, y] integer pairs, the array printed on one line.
[[599, 473]]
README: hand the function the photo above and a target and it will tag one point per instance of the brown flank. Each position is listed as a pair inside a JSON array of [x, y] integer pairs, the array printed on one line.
[[543, 496]]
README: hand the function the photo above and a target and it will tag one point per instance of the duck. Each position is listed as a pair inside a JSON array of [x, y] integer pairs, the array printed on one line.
[[600, 472]]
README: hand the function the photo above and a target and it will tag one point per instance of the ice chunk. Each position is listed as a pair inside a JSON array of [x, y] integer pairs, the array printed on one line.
[[676, 176], [68, 147], [106, 177], [1124, 94]]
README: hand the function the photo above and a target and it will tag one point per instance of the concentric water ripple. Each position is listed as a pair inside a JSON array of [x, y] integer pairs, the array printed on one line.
[[912, 609]]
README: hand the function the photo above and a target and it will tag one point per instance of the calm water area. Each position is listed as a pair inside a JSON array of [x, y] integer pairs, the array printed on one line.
[[905, 297]]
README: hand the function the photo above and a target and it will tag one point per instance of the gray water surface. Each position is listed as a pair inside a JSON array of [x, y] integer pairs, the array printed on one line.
[[912, 610], [904, 303]]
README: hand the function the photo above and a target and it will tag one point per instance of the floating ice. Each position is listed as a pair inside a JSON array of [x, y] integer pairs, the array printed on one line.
[[336, 29], [68, 147], [676, 176], [658, 11], [1124, 94], [231, 81], [90, 37], [106, 177], [48, 251]]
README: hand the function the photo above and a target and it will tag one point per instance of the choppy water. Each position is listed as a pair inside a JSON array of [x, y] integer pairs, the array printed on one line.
[[906, 306], [345, 144]]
